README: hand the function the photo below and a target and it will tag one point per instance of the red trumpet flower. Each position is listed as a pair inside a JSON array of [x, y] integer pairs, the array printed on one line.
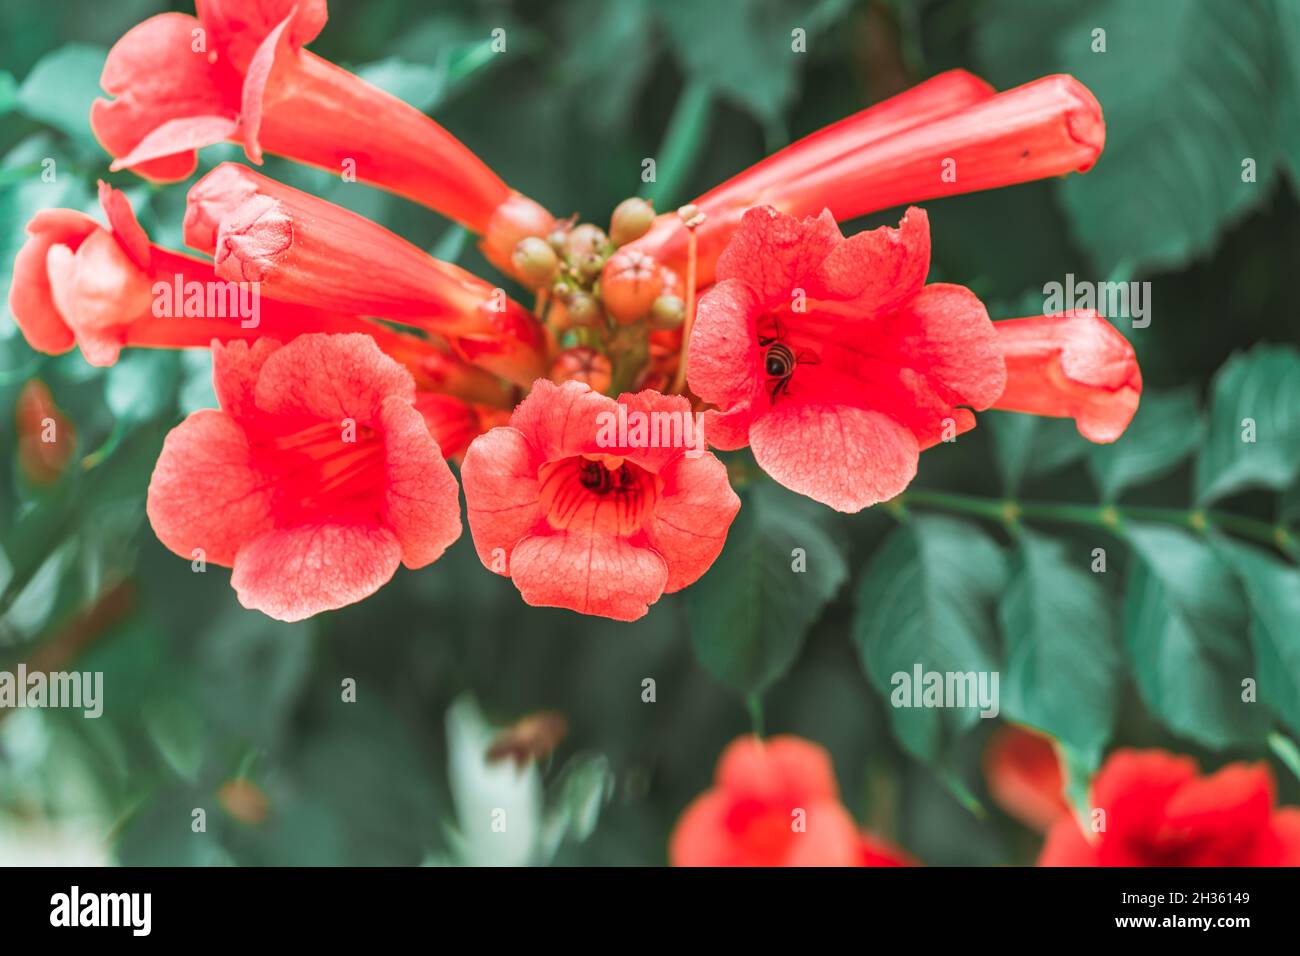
[[305, 250], [1073, 365], [583, 518], [239, 72], [775, 802], [1153, 808], [833, 360], [314, 481], [76, 282], [949, 135]]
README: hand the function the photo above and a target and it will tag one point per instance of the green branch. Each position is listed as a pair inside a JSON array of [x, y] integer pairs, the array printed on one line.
[[1110, 517]]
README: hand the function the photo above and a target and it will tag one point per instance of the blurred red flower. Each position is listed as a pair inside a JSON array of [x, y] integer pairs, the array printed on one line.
[[1024, 776], [315, 479], [1154, 808], [775, 802], [46, 437]]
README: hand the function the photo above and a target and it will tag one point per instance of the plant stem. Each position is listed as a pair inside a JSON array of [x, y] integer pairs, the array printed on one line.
[[754, 703], [1111, 517]]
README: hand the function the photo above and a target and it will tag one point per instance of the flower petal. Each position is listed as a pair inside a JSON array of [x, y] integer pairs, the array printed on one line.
[[689, 526], [157, 76], [274, 49], [1024, 777], [125, 226], [1067, 846], [177, 140], [235, 367], [774, 253], [293, 573], [725, 360], [845, 457], [422, 500], [945, 334], [240, 26], [591, 574], [878, 269], [501, 494], [561, 420], [330, 378], [205, 492], [31, 299], [778, 768]]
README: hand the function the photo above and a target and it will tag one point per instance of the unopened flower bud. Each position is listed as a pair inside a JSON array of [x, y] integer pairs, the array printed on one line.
[[632, 219], [583, 240], [583, 309], [667, 312], [535, 261], [582, 365], [589, 266], [630, 284], [515, 219]]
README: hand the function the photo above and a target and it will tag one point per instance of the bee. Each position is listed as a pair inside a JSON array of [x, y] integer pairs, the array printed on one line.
[[780, 361]]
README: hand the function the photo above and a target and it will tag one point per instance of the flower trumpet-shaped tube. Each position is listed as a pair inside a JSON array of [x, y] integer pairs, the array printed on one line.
[[78, 283], [238, 71], [947, 136], [306, 250], [1072, 365]]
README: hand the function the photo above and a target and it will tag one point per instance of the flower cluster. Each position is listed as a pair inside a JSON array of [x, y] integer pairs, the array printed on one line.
[[370, 363]]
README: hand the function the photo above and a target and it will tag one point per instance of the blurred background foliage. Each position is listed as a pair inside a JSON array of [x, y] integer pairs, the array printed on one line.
[[210, 706]]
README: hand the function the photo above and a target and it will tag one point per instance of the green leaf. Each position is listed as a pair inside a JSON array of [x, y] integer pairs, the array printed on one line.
[[686, 135], [60, 88], [1190, 82], [610, 53], [23, 193], [1165, 430], [1062, 661], [1187, 88], [926, 600], [749, 613], [1254, 432], [1273, 592], [1288, 111], [1185, 623], [742, 48], [141, 386], [8, 93], [1028, 446]]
